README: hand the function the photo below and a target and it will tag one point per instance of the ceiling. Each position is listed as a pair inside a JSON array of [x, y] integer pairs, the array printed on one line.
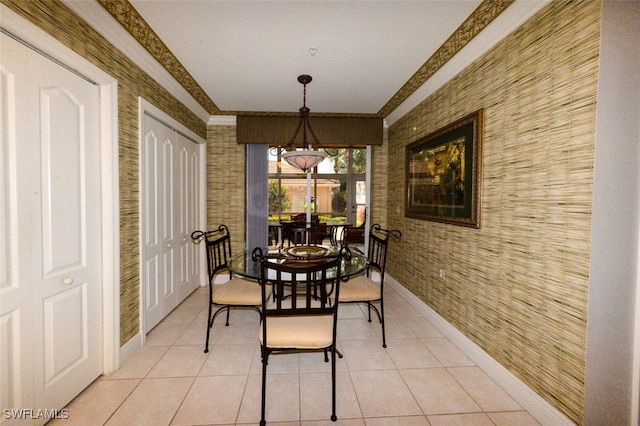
[[365, 57]]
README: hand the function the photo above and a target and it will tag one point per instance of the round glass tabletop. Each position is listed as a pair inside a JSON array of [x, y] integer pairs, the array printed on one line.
[[243, 264]]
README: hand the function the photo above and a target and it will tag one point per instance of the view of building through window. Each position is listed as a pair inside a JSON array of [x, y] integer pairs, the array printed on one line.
[[338, 189]]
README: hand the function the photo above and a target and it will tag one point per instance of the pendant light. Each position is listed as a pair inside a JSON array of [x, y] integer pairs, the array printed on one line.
[[309, 156]]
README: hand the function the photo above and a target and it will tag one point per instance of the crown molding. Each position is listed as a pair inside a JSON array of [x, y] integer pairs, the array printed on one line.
[[222, 120], [96, 16], [503, 25]]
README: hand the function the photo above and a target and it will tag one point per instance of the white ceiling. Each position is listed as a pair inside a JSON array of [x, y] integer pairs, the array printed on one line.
[[247, 55]]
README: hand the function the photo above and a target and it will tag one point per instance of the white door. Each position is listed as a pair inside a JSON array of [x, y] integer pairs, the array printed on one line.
[[158, 149], [188, 267], [50, 219], [170, 194]]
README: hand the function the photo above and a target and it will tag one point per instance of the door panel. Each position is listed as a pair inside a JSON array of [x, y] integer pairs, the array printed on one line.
[[187, 215], [151, 221], [66, 339], [167, 213], [14, 293], [10, 356], [156, 149], [51, 310], [62, 180]]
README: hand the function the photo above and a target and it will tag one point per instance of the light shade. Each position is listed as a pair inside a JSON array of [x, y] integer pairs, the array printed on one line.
[[305, 159]]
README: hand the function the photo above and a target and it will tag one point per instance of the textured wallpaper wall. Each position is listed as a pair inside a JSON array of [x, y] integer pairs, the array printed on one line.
[[518, 286], [379, 183], [226, 183], [57, 20]]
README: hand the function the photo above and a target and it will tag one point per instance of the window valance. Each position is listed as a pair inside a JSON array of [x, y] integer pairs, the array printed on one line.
[[331, 131]]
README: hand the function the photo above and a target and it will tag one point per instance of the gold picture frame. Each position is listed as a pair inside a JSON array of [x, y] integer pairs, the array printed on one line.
[[444, 171]]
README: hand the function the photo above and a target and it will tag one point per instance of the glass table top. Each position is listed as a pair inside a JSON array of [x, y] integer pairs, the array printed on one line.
[[243, 264]]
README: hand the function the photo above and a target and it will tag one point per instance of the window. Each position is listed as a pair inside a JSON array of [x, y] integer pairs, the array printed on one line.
[[338, 188]]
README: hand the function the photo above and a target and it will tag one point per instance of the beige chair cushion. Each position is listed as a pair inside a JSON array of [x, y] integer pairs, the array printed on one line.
[[303, 332], [360, 288], [238, 291]]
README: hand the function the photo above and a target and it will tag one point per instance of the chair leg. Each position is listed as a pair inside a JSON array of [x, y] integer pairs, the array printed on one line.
[[380, 313], [333, 385], [264, 387], [228, 310], [209, 324], [384, 340], [326, 358]]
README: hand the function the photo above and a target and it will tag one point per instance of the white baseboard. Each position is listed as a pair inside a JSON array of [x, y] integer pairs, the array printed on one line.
[[130, 348], [540, 409]]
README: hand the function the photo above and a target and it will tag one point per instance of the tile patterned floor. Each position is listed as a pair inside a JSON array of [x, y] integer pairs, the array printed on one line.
[[421, 378]]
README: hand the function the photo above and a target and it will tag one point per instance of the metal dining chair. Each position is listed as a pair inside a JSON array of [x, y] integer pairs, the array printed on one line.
[[302, 317], [353, 235], [363, 288], [236, 292], [302, 233], [295, 233]]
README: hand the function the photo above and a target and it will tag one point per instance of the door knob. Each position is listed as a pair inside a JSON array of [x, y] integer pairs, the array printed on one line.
[[67, 281]]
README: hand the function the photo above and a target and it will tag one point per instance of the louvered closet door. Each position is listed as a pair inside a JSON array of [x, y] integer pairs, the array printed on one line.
[[170, 178]]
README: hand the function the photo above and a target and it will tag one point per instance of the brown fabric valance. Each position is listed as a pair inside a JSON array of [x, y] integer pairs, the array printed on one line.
[[331, 131]]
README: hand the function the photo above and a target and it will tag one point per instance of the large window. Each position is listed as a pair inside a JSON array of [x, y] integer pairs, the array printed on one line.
[[338, 188]]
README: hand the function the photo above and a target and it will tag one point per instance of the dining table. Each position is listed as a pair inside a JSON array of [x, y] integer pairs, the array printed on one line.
[[246, 265]]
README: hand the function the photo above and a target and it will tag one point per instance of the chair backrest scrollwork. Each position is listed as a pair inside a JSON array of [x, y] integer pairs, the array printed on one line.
[[218, 244], [378, 245]]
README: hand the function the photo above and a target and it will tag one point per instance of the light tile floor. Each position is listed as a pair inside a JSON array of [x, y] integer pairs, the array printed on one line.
[[421, 378]]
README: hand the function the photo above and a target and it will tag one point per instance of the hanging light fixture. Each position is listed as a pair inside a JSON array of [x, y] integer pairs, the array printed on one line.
[[306, 158]]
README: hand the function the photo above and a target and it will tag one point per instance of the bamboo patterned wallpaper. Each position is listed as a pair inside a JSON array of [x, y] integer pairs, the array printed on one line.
[[379, 183], [57, 20], [518, 286], [226, 183]]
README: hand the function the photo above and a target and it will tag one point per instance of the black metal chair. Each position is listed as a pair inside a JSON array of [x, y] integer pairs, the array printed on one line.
[[302, 233], [353, 235], [295, 233], [302, 317], [318, 233], [236, 292], [363, 289]]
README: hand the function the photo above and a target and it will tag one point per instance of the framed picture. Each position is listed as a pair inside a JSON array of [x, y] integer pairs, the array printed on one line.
[[444, 172]]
